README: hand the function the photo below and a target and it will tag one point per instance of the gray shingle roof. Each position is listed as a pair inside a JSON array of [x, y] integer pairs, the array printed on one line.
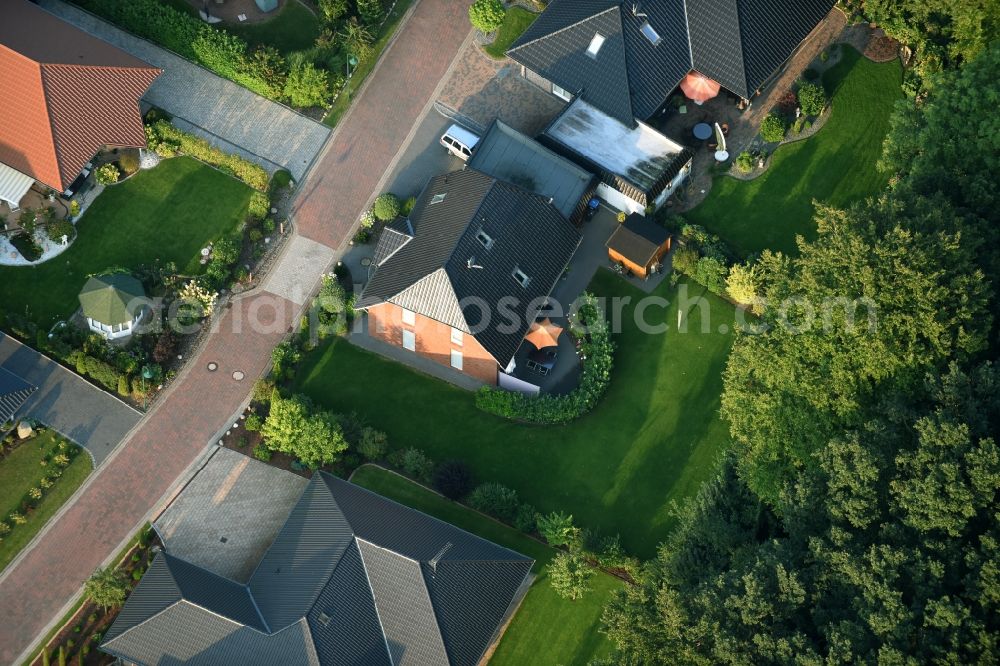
[[14, 392], [507, 154], [447, 274], [738, 43], [353, 578]]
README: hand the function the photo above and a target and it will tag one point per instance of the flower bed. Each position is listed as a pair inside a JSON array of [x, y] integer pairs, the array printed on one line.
[[167, 141], [598, 351]]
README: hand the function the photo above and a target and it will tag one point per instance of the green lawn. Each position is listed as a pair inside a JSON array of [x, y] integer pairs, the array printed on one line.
[[294, 28], [365, 67], [653, 439], [19, 472], [835, 166], [167, 214], [547, 628], [515, 22]]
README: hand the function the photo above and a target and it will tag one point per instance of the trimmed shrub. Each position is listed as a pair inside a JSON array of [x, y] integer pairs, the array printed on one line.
[[332, 10], [107, 174], [453, 479], [557, 528], [812, 99], [486, 16], [260, 205], [744, 162], [407, 207], [372, 444], [56, 230], [772, 129], [253, 422], [368, 219], [416, 464], [386, 207], [262, 453], [711, 272], [496, 500]]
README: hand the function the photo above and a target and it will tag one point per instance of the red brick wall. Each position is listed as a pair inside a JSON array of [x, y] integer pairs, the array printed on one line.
[[433, 341]]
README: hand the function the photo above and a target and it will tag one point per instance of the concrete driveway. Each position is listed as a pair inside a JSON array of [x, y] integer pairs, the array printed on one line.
[[424, 158], [67, 403]]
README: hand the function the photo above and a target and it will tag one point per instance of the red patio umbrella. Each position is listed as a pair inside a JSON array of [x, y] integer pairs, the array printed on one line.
[[543, 334], [699, 88]]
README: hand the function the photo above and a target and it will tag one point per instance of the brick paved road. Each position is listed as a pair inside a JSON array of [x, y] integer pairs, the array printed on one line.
[[121, 494], [334, 195]]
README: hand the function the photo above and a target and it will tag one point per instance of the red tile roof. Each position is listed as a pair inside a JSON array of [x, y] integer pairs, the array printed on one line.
[[66, 95]]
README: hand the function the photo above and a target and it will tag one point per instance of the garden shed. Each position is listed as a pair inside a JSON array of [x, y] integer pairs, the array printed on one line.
[[113, 304], [639, 244]]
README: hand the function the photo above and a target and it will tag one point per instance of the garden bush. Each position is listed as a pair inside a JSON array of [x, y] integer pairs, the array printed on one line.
[[812, 99], [744, 162], [370, 11], [453, 479], [496, 500], [27, 246], [416, 464], [129, 162], [59, 228], [526, 518], [307, 86], [711, 273], [368, 219], [772, 129], [163, 133], [166, 346], [558, 529], [260, 206], [386, 207], [107, 174], [253, 422], [407, 206], [548, 408], [486, 16], [372, 444], [262, 453], [332, 10], [100, 372]]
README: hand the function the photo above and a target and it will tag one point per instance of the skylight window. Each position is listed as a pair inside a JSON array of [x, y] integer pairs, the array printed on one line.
[[485, 239], [595, 45], [650, 33], [521, 277], [438, 198]]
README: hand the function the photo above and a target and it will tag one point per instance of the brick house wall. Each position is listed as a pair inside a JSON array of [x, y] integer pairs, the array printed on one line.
[[433, 340]]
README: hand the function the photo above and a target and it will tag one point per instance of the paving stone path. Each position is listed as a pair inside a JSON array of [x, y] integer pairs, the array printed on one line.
[[214, 106], [132, 484]]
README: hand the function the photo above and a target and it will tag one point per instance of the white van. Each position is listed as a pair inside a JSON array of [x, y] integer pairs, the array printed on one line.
[[459, 142]]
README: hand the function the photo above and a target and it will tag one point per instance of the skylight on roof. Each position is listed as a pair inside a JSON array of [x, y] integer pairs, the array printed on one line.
[[438, 198], [650, 33], [595, 45]]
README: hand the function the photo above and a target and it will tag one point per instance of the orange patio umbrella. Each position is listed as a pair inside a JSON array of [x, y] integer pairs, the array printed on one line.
[[699, 88], [543, 334]]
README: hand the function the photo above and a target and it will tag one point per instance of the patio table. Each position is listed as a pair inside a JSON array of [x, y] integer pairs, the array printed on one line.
[[702, 131]]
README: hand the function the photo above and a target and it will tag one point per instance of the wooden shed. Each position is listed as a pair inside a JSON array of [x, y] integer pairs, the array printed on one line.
[[639, 244]]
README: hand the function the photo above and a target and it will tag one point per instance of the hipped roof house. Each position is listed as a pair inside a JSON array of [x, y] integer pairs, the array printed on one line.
[[626, 58], [351, 578]]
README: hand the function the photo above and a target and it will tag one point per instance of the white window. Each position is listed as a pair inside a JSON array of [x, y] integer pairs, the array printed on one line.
[[521, 277], [456, 359], [485, 239], [409, 317], [595, 45], [438, 198], [650, 33], [456, 336], [561, 93], [409, 340]]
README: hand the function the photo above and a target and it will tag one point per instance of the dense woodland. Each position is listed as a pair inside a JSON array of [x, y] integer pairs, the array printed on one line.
[[856, 517]]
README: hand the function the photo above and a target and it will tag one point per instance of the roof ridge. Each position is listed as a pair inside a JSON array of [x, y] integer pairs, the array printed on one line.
[[565, 27], [50, 136], [83, 65], [628, 82], [371, 589], [139, 624], [244, 586]]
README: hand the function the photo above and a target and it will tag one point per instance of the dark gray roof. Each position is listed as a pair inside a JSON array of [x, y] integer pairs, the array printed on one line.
[[507, 154], [353, 578], [431, 274], [638, 238], [738, 43], [14, 391]]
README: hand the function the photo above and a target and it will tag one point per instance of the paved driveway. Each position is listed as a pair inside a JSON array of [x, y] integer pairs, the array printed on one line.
[[219, 110], [68, 404]]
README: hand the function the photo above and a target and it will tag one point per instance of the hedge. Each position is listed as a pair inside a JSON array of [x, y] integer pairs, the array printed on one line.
[[166, 139], [222, 52], [597, 348]]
